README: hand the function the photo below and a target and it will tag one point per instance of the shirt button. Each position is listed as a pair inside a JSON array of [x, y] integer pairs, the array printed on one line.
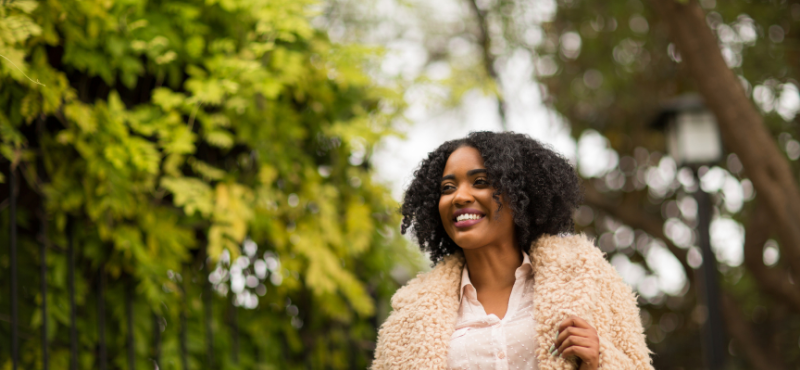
[[501, 355]]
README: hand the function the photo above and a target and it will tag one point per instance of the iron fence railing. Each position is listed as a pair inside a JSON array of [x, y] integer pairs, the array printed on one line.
[[12, 200], [73, 330], [101, 281], [43, 277]]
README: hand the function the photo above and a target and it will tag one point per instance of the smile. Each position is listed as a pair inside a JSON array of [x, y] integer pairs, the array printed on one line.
[[467, 217]]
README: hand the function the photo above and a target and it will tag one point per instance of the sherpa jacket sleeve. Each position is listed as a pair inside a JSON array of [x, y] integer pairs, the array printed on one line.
[[574, 278], [416, 335], [622, 341]]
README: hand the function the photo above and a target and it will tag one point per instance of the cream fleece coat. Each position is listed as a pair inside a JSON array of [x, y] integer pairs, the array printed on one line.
[[571, 278]]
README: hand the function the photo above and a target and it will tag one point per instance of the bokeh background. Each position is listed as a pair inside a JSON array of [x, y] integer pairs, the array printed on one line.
[[215, 184]]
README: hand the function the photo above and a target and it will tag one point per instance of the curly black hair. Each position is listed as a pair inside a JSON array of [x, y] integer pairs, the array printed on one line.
[[540, 185]]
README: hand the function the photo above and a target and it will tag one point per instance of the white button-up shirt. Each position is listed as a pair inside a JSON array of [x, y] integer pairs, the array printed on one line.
[[483, 341]]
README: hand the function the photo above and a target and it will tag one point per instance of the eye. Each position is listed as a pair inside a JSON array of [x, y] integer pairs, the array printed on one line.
[[447, 187], [481, 182]]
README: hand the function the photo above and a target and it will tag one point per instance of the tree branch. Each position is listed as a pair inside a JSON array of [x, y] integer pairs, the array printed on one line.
[[488, 59], [755, 236], [741, 330], [742, 127], [632, 215], [769, 280]]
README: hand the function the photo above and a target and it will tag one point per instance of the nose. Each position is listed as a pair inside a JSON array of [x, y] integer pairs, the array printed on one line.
[[462, 196]]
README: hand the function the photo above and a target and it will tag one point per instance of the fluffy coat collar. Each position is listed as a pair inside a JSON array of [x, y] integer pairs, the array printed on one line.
[[572, 278]]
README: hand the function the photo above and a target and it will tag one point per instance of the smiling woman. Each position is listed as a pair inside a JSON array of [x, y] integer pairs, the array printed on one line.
[[466, 200], [511, 288], [541, 187]]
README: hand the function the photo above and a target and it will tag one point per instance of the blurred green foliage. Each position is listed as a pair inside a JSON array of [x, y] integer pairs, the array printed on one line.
[[164, 136], [608, 67], [603, 70]]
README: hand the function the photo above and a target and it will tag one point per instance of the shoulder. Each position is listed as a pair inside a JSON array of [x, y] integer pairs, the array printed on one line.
[[441, 281], [567, 251], [574, 262], [564, 243], [575, 258], [416, 334]]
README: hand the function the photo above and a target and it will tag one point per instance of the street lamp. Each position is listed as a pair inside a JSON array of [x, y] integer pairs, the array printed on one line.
[[693, 140]]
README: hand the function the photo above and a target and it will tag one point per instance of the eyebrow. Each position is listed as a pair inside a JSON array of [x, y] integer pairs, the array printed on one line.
[[469, 173]]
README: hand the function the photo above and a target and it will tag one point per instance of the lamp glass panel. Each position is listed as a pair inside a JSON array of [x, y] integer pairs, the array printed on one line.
[[672, 141], [698, 137]]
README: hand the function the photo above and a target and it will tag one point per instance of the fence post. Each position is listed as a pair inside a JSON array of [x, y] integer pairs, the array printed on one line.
[[184, 307], [129, 313], [156, 340], [234, 322], [101, 318], [12, 199], [43, 272], [207, 303], [43, 245], [73, 331]]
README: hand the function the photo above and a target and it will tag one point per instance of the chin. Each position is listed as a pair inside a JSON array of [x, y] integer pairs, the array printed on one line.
[[467, 245]]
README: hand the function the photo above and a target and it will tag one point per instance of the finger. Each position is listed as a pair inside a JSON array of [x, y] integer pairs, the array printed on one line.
[[575, 341], [574, 331], [574, 321], [566, 323], [588, 355]]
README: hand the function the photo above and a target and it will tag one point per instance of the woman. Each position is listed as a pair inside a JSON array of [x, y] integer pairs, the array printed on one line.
[[510, 288]]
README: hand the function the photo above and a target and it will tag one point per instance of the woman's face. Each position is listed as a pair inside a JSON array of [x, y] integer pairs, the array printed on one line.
[[468, 212]]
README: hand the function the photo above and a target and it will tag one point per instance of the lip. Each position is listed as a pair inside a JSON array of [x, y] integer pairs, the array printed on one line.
[[467, 223]]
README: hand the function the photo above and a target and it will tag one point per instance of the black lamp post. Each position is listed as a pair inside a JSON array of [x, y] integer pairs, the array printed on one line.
[[693, 140]]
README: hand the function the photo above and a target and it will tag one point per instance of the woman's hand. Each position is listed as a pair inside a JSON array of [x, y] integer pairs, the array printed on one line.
[[576, 337]]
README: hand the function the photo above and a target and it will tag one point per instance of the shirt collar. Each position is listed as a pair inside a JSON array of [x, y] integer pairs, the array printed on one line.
[[523, 271]]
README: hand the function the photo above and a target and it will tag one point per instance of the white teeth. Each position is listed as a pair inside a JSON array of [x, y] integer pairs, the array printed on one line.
[[467, 216]]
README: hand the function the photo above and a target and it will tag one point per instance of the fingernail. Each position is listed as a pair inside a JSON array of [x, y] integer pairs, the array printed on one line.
[[552, 348], [556, 336]]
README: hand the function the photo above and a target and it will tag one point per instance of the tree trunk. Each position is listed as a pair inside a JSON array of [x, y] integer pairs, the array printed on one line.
[[742, 127]]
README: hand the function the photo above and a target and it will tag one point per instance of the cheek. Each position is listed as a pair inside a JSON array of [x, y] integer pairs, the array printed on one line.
[[506, 213], [492, 205], [442, 208]]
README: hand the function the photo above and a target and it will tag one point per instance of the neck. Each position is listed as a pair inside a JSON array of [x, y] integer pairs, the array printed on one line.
[[492, 267]]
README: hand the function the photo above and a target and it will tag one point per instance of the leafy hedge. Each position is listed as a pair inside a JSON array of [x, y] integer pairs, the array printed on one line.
[[210, 160]]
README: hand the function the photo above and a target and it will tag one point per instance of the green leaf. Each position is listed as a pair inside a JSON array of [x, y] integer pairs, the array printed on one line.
[[194, 195], [206, 170]]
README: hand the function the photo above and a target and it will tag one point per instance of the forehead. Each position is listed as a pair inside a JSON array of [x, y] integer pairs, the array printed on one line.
[[463, 159]]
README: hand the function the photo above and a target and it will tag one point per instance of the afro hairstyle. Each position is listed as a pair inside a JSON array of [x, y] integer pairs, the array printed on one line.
[[540, 185]]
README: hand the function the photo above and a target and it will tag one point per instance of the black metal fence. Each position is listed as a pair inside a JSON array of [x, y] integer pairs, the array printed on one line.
[[100, 290]]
